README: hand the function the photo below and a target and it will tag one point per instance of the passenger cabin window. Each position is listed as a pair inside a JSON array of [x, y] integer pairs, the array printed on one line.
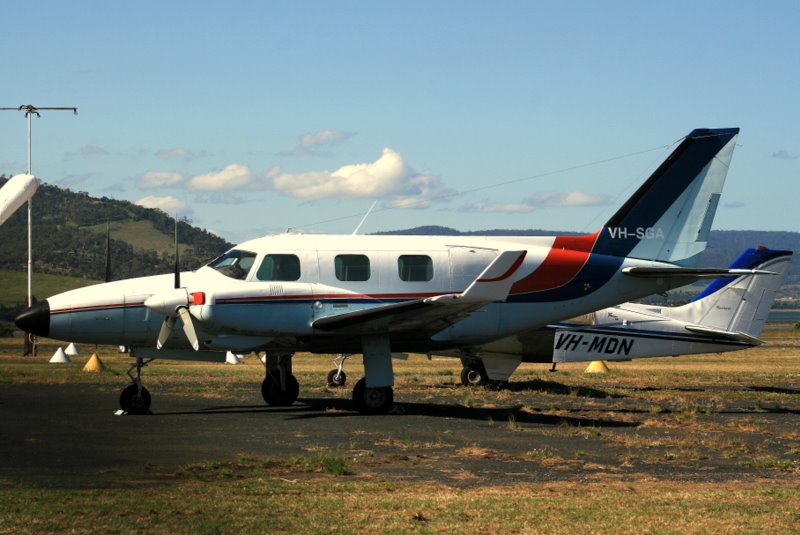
[[352, 267], [235, 264], [279, 267], [415, 268]]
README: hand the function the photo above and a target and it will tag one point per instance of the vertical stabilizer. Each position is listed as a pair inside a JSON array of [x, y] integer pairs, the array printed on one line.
[[669, 217], [739, 304]]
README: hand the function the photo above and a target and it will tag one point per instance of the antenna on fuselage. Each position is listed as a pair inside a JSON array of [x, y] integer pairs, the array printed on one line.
[[364, 218]]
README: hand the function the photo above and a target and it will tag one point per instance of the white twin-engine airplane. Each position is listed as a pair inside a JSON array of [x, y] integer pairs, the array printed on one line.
[[728, 315], [376, 295]]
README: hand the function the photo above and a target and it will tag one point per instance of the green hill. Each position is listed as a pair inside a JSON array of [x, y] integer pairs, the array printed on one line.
[[69, 237], [69, 244]]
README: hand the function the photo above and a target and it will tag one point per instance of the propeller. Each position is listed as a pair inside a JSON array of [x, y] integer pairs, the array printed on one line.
[[174, 304]]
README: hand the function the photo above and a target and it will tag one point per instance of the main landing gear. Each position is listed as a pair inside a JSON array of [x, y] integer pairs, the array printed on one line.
[[135, 399], [474, 374], [372, 400], [280, 387]]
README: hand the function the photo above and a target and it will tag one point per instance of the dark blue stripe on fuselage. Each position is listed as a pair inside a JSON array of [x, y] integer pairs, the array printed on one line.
[[597, 271]]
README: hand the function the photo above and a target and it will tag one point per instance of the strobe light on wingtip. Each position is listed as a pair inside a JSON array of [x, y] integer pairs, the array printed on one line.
[[16, 192]]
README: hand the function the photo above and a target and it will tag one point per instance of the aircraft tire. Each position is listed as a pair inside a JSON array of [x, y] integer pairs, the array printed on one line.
[[473, 375], [131, 402], [372, 400], [335, 379], [271, 391]]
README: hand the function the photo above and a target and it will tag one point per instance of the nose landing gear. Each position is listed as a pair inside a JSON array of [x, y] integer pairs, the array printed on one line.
[[135, 399], [336, 377]]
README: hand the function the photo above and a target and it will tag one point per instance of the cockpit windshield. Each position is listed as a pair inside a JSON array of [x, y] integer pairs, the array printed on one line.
[[235, 263]]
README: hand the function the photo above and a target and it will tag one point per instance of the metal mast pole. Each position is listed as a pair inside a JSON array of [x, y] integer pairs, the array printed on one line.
[[30, 110], [29, 115]]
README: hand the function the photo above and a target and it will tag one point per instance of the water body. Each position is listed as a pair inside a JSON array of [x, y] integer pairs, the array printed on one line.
[[783, 316]]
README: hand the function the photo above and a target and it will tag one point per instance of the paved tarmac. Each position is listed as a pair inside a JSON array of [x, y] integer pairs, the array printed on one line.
[[69, 436]]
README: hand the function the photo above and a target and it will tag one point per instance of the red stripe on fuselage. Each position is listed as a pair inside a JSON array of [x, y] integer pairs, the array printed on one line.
[[566, 258]]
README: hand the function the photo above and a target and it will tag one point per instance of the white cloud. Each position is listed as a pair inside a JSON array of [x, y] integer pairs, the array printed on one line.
[[570, 198], [178, 153], [309, 144], [234, 176], [784, 154], [159, 179], [492, 208], [87, 151], [387, 178], [168, 204], [93, 150], [539, 201]]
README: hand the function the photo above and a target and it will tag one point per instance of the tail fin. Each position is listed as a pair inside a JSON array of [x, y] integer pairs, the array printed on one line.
[[739, 304], [669, 217]]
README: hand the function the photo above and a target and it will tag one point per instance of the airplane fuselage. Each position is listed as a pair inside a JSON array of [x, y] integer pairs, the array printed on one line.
[[255, 314]]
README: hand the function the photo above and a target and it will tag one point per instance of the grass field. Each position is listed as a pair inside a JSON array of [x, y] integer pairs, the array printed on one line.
[[141, 235], [705, 455]]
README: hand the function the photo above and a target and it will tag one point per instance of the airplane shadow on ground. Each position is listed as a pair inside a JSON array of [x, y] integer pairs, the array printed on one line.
[[552, 387], [308, 408]]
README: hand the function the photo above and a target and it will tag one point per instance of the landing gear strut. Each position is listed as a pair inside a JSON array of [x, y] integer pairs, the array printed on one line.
[[135, 399], [280, 387], [336, 377]]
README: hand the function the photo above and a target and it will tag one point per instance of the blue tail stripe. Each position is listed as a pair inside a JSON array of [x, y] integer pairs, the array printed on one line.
[[749, 259]]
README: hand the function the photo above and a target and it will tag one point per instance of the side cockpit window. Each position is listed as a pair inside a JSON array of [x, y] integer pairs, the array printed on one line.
[[235, 264], [279, 267]]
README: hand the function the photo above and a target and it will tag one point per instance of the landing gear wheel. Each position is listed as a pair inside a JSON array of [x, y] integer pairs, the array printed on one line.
[[336, 378], [372, 400], [473, 375], [134, 403], [272, 394]]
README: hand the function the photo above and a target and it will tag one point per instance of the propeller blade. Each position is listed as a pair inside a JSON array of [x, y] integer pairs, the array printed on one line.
[[166, 330], [188, 327]]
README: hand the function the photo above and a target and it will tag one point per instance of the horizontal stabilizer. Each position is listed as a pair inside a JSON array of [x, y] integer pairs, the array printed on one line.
[[692, 273], [738, 336]]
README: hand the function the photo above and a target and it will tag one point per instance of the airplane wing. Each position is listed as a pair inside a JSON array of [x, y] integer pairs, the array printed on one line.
[[431, 314]]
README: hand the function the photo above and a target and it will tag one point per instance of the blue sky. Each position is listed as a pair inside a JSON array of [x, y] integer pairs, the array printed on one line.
[[252, 117]]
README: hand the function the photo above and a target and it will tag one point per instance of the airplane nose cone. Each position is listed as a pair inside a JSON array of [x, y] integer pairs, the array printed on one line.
[[35, 320]]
